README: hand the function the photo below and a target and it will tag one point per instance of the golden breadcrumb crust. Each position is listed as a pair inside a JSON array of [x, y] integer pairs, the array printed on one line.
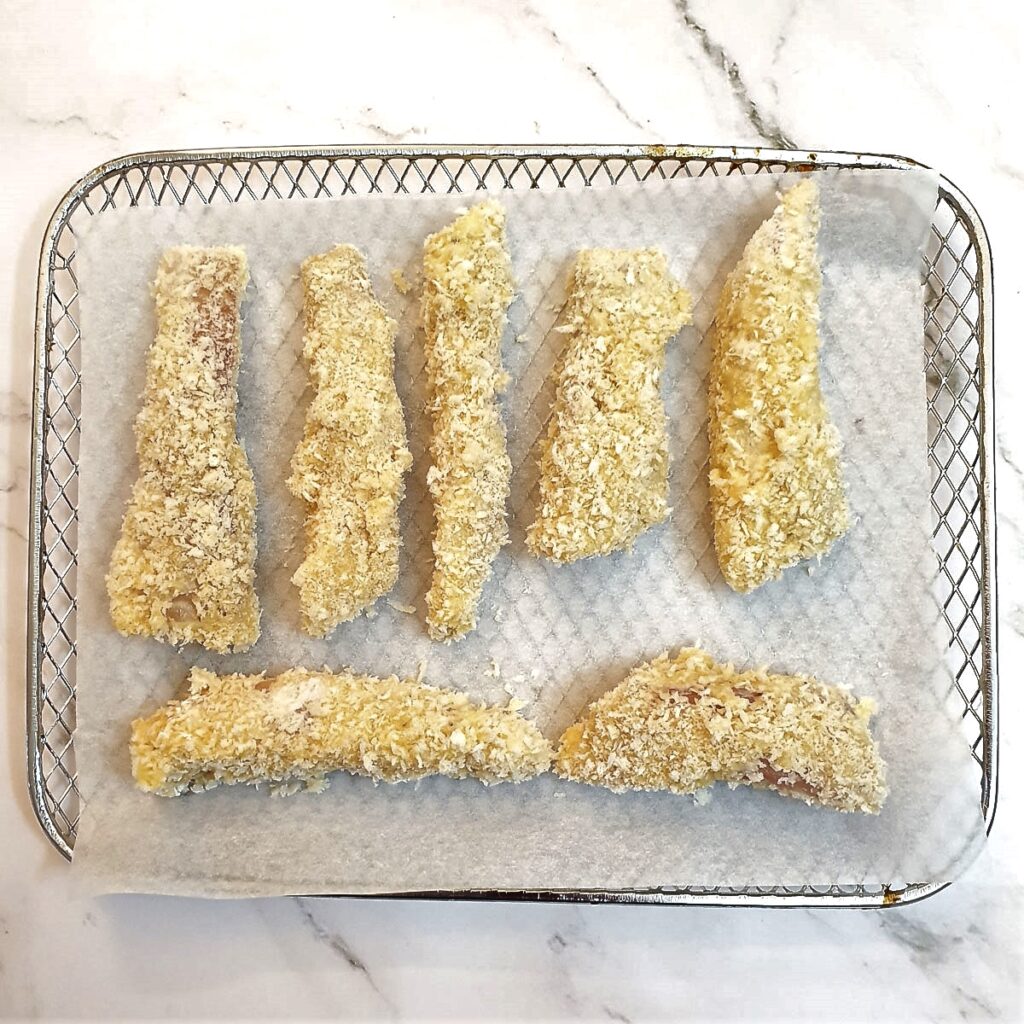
[[467, 290], [300, 726], [604, 461], [183, 568], [350, 465], [776, 482], [682, 723]]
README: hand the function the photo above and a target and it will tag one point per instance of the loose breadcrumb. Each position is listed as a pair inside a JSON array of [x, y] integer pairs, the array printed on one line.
[[183, 568], [350, 466], [604, 461], [467, 290], [682, 723], [300, 726], [776, 482], [402, 286]]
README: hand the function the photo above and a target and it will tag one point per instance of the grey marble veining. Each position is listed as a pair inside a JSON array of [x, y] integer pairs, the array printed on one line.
[[937, 81], [764, 124]]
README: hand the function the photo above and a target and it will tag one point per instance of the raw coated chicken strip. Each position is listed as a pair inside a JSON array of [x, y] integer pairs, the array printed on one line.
[[682, 723], [183, 568], [350, 466], [604, 462], [296, 728], [776, 482], [467, 290]]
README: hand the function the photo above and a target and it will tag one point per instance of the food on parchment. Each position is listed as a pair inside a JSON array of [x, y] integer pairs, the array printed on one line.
[[467, 290], [682, 723], [294, 729], [776, 482], [183, 568], [604, 462], [351, 463]]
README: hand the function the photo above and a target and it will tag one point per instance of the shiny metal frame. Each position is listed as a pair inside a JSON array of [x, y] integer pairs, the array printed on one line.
[[958, 353]]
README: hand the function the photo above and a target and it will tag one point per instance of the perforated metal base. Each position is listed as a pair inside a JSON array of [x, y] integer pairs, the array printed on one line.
[[958, 339]]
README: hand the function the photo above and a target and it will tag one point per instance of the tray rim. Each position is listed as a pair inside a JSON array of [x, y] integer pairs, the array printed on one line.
[[795, 160]]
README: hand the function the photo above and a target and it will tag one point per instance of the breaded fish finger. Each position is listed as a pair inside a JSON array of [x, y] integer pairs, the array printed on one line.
[[682, 723], [300, 726], [467, 290], [604, 461], [183, 568], [350, 465], [776, 482]]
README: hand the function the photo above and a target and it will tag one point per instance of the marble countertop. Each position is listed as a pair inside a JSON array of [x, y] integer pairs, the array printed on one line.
[[938, 81]]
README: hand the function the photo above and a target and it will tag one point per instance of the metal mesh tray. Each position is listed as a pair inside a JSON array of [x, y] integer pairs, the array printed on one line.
[[958, 352]]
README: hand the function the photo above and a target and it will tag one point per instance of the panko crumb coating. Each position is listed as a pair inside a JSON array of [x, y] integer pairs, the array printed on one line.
[[777, 492], [604, 461], [467, 290], [183, 568], [350, 465], [294, 729], [683, 723]]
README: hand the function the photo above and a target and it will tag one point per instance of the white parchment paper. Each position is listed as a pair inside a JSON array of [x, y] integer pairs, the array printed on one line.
[[556, 636]]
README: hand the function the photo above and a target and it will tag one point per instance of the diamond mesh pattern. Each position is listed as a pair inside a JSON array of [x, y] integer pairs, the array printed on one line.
[[956, 297]]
